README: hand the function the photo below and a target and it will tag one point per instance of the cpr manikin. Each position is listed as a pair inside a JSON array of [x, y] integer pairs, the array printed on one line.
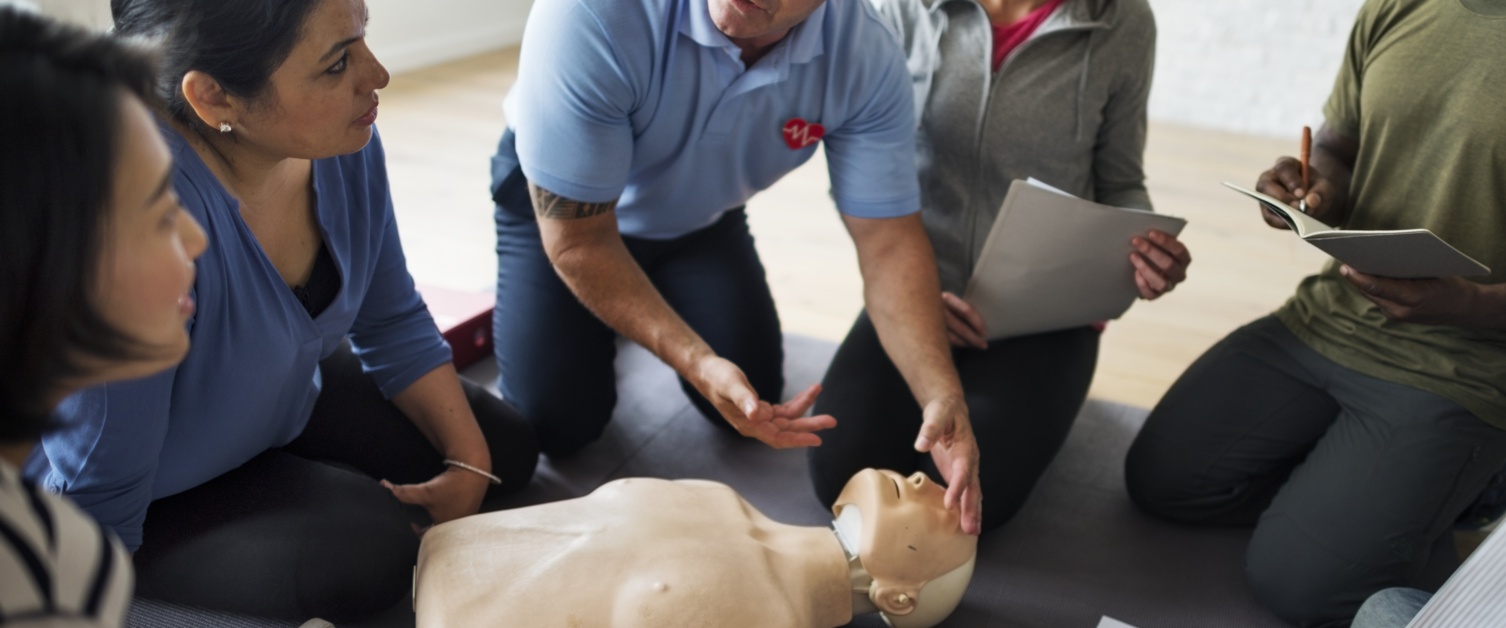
[[645, 553]]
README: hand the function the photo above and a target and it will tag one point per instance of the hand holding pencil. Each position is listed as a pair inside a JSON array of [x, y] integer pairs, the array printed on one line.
[[1295, 182]]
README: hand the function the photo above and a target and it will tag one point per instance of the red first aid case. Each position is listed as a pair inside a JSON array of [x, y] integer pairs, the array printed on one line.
[[464, 319]]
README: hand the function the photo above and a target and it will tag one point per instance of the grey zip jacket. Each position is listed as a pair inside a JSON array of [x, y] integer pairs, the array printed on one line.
[[1066, 107]]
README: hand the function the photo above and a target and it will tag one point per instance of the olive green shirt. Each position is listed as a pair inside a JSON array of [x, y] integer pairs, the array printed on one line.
[[1423, 90]]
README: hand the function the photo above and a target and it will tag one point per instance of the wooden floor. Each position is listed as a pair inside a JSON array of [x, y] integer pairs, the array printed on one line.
[[440, 126]]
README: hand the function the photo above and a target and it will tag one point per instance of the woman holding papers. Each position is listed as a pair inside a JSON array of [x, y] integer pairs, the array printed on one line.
[[1354, 425], [1050, 89]]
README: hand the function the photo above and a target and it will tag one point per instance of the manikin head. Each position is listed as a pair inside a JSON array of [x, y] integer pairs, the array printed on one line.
[[912, 546]]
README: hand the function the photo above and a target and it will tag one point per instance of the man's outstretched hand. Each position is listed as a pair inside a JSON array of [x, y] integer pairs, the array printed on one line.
[[782, 426]]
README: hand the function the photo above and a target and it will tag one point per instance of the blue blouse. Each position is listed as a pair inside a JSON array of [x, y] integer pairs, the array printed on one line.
[[251, 376]]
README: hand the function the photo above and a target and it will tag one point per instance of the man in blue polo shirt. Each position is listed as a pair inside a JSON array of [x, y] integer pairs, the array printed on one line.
[[637, 130]]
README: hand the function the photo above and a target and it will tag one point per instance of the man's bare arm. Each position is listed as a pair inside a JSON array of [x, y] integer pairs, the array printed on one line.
[[586, 249], [582, 241], [550, 205], [902, 293]]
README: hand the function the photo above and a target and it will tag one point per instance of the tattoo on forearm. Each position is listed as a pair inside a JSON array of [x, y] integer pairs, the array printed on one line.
[[550, 205]]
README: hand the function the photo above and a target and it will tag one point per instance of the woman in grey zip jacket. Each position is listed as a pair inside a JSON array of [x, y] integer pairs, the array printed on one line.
[[1066, 106]]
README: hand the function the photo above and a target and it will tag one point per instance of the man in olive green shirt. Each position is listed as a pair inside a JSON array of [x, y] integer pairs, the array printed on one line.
[[1353, 425]]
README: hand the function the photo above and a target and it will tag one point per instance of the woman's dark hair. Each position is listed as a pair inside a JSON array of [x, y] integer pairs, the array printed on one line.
[[61, 92], [238, 42]]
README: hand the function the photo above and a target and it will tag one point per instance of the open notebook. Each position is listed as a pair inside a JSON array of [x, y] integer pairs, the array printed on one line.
[[1054, 261], [1475, 595], [1403, 254]]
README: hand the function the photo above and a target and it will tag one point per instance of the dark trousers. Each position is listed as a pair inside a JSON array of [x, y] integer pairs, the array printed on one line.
[[556, 358], [1351, 482], [1022, 396], [305, 530]]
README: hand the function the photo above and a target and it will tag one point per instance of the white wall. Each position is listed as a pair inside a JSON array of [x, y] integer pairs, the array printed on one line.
[[1254, 66], [91, 13], [410, 34], [405, 34]]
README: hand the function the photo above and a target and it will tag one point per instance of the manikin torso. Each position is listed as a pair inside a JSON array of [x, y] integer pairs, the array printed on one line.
[[636, 552]]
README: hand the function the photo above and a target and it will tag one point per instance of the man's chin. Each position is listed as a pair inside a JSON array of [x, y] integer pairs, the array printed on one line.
[[746, 30], [739, 25], [748, 7]]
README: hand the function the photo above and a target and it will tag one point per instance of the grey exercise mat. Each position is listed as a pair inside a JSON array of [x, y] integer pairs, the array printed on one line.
[[1077, 550], [156, 614]]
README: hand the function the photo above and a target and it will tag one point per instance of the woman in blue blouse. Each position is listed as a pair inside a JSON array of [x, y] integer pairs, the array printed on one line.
[[274, 471]]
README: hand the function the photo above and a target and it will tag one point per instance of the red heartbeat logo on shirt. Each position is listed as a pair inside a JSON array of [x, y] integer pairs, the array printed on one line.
[[799, 134]]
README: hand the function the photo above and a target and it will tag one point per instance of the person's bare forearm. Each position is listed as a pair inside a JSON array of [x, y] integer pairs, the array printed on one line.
[[902, 294], [436, 405], [1333, 155], [583, 244]]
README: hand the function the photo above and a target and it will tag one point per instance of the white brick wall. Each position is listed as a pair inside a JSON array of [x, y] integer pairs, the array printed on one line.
[[1253, 66], [90, 13], [405, 34]]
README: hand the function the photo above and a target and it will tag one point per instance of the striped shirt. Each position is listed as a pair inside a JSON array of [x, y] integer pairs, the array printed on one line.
[[57, 566]]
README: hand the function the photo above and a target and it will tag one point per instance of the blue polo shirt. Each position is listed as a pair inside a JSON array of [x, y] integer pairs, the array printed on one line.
[[647, 103]]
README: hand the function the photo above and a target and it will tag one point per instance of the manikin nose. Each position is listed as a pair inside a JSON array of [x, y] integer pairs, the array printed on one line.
[[917, 479]]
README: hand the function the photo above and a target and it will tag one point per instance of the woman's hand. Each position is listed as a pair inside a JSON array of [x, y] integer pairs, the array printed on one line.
[[450, 495], [437, 406], [1160, 262], [965, 327]]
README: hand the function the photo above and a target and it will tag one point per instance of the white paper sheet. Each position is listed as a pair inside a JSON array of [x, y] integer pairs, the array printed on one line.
[[1054, 261]]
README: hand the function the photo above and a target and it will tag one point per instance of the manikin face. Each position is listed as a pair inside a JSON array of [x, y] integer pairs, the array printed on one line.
[[322, 100], [909, 537], [147, 261], [759, 23]]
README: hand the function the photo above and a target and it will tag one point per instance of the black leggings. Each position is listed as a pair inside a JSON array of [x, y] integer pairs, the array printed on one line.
[[1022, 396], [305, 530]]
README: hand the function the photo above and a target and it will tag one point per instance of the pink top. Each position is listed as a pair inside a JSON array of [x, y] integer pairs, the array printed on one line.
[[1009, 36]]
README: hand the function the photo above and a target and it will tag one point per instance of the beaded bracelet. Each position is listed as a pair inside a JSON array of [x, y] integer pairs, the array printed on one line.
[[489, 477]]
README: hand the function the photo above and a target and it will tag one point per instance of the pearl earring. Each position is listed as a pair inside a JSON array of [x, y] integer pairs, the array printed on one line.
[[225, 127]]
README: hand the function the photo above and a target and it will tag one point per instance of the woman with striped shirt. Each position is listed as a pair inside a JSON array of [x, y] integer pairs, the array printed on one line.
[[96, 260]]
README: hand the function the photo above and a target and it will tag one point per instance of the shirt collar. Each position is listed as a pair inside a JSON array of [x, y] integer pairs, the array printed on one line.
[[804, 42]]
